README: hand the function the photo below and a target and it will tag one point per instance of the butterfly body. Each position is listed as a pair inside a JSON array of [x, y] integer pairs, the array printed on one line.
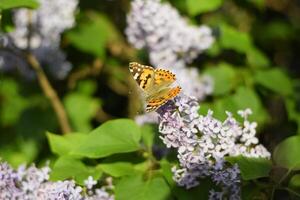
[[156, 84]]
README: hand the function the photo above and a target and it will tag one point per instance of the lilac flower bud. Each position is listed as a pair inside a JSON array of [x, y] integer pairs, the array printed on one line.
[[90, 182]]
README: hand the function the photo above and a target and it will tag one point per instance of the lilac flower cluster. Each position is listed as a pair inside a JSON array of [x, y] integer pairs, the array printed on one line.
[[167, 36], [39, 31], [229, 179], [32, 183], [202, 143], [171, 42]]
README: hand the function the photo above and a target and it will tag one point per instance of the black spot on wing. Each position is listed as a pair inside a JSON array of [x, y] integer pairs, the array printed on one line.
[[147, 79]]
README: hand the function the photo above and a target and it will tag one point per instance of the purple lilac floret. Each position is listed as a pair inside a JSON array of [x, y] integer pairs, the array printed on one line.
[[39, 31], [170, 41], [202, 142], [33, 184]]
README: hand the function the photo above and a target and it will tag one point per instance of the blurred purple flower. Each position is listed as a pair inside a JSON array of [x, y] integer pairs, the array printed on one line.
[[171, 42], [39, 31], [44, 25], [166, 35]]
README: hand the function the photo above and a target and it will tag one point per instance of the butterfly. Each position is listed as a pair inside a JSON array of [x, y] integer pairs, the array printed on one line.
[[156, 84]]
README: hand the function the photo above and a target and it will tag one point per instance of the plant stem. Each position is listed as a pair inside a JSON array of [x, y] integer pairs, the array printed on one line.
[[50, 93], [94, 70]]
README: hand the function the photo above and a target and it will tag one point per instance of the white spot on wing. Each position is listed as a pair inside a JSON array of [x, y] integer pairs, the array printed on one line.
[[136, 75]]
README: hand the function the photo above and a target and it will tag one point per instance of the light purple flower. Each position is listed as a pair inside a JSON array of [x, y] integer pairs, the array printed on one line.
[[202, 142], [171, 42], [47, 23], [39, 32], [90, 182], [32, 183]]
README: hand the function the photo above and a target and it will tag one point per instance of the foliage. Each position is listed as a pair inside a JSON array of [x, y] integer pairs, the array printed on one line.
[[253, 64], [6, 4]]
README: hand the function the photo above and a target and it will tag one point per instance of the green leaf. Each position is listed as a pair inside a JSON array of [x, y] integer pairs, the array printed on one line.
[[295, 181], [286, 153], [277, 30], [243, 98], [220, 105], [201, 192], [135, 188], [205, 107], [35, 120], [93, 36], [241, 42], [20, 151], [82, 115], [257, 58], [115, 136], [293, 114], [252, 168], [138, 161], [258, 3], [117, 169], [250, 191], [142, 166], [196, 7], [7, 23], [63, 145], [275, 80], [233, 39], [8, 4], [87, 87], [214, 50], [166, 171], [291, 107], [148, 136], [14, 102], [223, 76], [247, 98], [69, 168]]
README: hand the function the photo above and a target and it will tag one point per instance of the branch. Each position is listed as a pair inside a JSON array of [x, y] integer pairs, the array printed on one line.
[[122, 50], [134, 103], [50, 93], [95, 69], [102, 116]]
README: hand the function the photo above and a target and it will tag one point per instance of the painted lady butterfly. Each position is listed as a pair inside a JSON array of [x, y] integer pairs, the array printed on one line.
[[155, 83]]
